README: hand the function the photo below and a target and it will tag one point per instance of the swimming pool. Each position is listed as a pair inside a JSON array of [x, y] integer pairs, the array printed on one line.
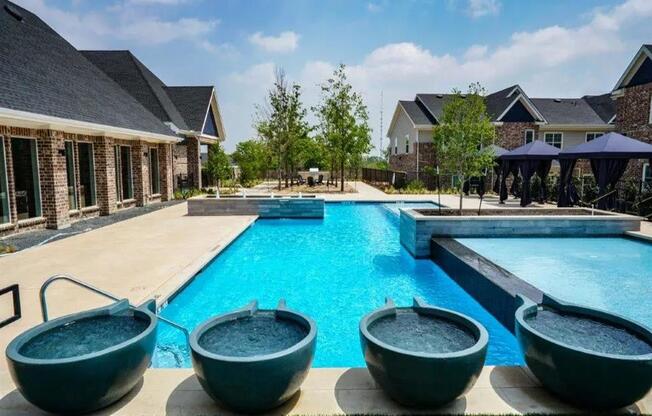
[[334, 270], [614, 274]]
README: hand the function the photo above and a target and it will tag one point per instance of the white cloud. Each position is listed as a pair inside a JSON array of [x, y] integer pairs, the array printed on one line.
[[475, 52], [479, 8], [285, 42], [100, 30]]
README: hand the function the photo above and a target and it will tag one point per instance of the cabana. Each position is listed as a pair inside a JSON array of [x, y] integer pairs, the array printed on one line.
[[609, 155], [534, 157], [498, 152]]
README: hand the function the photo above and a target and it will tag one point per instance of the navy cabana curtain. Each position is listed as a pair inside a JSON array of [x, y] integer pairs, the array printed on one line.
[[543, 169], [503, 180], [607, 173], [514, 189], [528, 168], [566, 197], [497, 171]]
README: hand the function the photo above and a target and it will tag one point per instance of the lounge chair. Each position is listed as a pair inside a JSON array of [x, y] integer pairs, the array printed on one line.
[[311, 181], [320, 180]]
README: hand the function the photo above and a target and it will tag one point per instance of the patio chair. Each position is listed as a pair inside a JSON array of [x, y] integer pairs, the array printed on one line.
[[320, 180], [311, 181], [300, 180]]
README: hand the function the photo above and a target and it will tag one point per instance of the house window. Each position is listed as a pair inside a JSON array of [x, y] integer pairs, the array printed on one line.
[[70, 175], [647, 176], [593, 135], [154, 178], [395, 146], [4, 185], [26, 180], [407, 144], [529, 136], [554, 139], [86, 174], [123, 175]]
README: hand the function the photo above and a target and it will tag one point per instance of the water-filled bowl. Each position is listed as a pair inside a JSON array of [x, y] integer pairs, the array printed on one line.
[[252, 360], [423, 356], [585, 356], [85, 361]]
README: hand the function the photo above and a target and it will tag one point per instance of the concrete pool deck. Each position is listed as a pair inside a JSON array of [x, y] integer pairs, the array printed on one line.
[[153, 255]]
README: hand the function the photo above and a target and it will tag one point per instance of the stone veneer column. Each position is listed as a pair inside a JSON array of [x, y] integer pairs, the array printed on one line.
[[166, 171], [105, 175], [194, 162], [53, 179], [140, 163]]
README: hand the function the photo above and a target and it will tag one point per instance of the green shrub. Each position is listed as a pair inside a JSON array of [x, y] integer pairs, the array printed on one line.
[[187, 193]]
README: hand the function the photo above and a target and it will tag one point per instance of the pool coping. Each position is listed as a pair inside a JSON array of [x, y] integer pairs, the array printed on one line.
[[494, 287]]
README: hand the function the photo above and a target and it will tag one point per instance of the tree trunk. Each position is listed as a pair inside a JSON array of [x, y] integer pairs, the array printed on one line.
[[342, 175]]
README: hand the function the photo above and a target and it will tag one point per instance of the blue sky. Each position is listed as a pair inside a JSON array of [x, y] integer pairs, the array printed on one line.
[[552, 48]]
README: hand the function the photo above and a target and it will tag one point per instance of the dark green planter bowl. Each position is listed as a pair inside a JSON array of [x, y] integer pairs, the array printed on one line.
[[580, 376], [86, 382], [257, 383], [419, 379]]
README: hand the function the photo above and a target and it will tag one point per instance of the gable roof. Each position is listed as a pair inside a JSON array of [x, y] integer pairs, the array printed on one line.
[[603, 105], [433, 103], [192, 103], [567, 111], [135, 78], [643, 55], [417, 113], [41, 74]]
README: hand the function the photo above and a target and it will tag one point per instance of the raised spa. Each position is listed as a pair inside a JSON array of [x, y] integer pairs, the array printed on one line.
[[423, 356], [85, 361], [252, 360], [585, 356]]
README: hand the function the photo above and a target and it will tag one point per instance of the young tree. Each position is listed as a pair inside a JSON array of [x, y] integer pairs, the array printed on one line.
[[343, 122], [463, 135], [251, 157], [218, 164], [282, 125]]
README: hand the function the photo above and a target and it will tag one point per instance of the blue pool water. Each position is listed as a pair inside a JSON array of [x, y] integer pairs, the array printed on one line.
[[335, 270], [614, 274]]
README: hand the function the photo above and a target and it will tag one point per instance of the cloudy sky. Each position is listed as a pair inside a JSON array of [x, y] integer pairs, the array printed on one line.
[[552, 48]]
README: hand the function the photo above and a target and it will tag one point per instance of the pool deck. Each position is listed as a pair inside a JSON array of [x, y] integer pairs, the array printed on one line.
[[151, 256]]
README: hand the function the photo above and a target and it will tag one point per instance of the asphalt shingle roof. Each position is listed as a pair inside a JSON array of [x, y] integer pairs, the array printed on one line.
[[417, 113], [603, 105], [567, 111], [498, 101], [40, 72], [192, 103], [136, 79]]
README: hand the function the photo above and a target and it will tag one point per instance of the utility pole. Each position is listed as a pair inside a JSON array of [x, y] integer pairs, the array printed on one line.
[[382, 149]]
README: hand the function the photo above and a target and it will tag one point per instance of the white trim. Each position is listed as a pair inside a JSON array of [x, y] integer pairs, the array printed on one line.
[[516, 88], [633, 66], [561, 145], [586, 135], [577, 127], [612, 119], [528, 106], [217, 118], [4, 154], [40, 121], [534, 137]]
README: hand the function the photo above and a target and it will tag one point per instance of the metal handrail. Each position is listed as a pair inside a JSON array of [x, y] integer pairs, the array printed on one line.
[[642, 202], [592, 203], [56, 277]]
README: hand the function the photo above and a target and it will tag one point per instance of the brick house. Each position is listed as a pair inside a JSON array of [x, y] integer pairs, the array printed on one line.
[[633, 96], [518, 118], [78, 140]]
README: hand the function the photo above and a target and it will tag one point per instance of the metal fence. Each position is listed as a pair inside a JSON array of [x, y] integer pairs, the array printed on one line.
[[384, 177]]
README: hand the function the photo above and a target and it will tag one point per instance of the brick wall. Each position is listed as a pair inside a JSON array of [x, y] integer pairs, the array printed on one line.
[[193, 148], [54, 180], [632, 119], [407, 162], [512, 135]]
